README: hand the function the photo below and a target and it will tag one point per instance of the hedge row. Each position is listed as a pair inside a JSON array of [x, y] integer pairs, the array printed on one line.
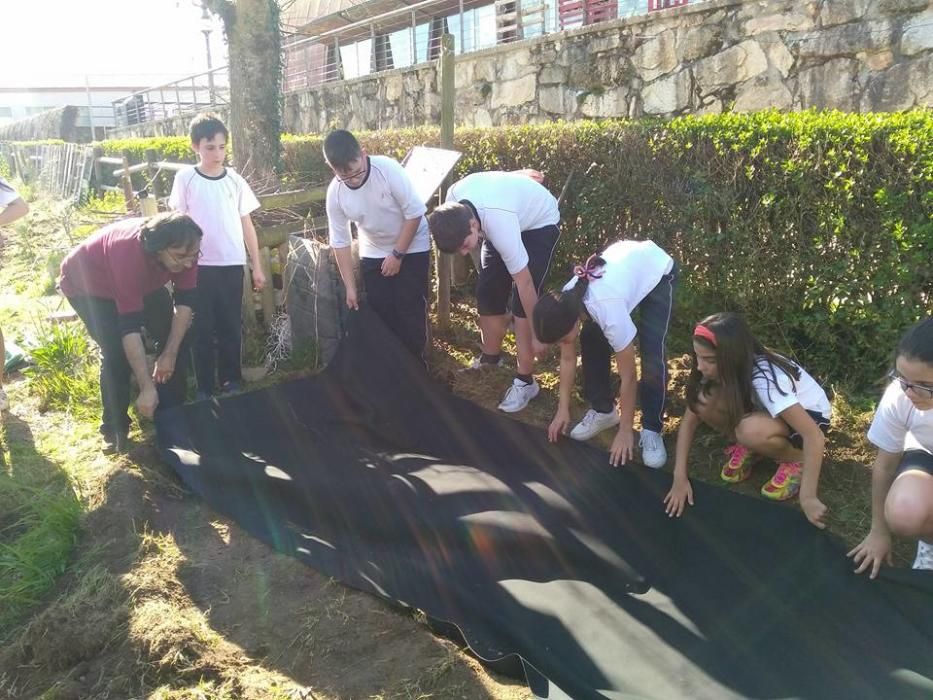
[[818, 225]]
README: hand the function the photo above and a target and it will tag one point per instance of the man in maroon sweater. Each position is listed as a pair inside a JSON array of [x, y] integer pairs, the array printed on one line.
[[116, 282]]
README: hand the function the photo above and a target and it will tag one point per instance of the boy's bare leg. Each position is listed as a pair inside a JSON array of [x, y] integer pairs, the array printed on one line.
[[492, 331], [525, 348]]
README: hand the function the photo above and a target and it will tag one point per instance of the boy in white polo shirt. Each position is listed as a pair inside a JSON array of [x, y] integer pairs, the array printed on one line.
[[515, 220], [376, 194], [220, 202]]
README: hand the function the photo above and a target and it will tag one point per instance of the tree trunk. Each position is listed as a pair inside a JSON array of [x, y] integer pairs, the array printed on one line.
[[255, 49]]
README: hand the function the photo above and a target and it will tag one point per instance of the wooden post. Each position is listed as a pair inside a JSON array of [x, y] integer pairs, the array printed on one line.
[[268, 292], [155, 188], [127, 183], [98, 172], [444, 260], [250, 326]]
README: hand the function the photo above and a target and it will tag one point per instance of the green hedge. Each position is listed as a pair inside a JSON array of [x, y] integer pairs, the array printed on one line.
[[818, 225]]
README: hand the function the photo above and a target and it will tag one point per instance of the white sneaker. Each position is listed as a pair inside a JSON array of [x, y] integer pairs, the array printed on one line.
[[653, 452], [476, 364], [593, 423], [924, 558], [518, 395], [4, 401]]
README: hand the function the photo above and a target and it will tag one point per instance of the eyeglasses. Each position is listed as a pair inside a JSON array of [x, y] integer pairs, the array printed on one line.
[[924, 392], [185, 259], [353, 176]]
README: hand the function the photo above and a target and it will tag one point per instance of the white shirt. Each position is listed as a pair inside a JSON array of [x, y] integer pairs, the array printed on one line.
[[632, 270], [379, 207], [507, 204], [7, 196], [217, 205], [804, 391], [899, 425]]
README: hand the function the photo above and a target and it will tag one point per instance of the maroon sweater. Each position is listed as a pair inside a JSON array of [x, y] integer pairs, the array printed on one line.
[[111, 264]]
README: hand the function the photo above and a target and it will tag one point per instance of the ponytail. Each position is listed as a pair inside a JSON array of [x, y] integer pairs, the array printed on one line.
[[556, 312]]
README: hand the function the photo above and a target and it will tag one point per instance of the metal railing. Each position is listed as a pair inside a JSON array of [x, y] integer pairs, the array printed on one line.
[[397, 39], [188, 95]]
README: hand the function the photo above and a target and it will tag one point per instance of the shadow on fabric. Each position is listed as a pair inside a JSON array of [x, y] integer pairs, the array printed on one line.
[[374, 474]]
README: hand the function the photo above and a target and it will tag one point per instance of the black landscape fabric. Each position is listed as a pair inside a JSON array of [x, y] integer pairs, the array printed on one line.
[[376, 475]]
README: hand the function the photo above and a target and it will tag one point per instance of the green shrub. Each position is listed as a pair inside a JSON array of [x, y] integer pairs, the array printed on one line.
[[818, 225], [63, 374]]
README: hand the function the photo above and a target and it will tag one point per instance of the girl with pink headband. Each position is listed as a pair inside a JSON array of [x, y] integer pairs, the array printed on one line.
[[597, 304], [767, 404]]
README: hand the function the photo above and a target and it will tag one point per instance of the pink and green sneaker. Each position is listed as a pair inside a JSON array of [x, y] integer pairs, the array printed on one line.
[[785, 483], [739, 466]]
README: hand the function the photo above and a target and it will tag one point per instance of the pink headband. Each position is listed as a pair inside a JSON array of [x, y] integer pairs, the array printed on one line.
[[702, 331], [590, 271]]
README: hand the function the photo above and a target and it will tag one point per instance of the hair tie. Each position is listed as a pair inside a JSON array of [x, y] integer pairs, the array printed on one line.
[[702, 331], [591, 270]]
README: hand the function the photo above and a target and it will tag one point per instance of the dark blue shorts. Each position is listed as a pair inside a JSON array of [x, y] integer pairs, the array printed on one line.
[[495, 283], [918, 460], [796, 439]]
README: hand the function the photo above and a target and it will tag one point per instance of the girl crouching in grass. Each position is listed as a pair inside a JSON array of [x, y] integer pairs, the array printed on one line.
[[902, 475], [767, 404]]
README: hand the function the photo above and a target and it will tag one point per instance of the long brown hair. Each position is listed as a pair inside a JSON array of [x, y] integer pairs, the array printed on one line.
[[737, 353]]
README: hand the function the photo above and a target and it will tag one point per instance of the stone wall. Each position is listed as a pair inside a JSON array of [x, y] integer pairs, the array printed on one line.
[[721, 55]]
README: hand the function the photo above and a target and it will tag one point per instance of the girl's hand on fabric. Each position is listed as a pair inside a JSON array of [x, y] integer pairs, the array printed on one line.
[[259, 279], [147, 401], [815, 511], [352, 301], [390, 266], [164, 368], [559, 425], [871, 553], [623, 447], [680, 494]]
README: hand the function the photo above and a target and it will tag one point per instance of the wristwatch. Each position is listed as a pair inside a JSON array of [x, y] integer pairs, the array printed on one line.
[[397, 255]]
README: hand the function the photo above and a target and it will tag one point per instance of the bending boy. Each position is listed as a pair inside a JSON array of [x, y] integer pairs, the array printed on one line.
[[515, 220]]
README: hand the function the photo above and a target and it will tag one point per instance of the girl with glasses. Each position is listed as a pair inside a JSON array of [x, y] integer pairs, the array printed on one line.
[[902, 475]]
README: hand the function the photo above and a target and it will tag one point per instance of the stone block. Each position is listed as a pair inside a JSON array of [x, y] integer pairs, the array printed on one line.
[[698, 42], [552, 75], [781, 22], [556, 99], [734, 65], [764, 92], [900, 7], [512, 93], [667, 95], [877, 60], [917, 34], [833, 12], [831, 85], [482, 118], [517, 64], [656, 57], [393, 86], [463, 74], [845, 40], [611, 103], [905, 85], [779, 57]]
